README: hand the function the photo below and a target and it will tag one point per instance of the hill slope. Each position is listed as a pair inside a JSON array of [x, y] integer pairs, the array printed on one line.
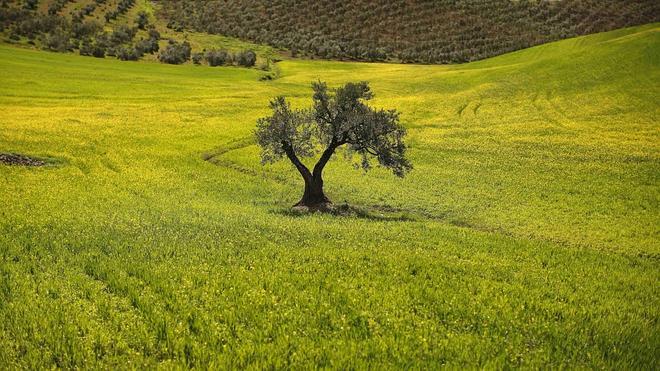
[[123, 29], [527, 235], [409, 31]]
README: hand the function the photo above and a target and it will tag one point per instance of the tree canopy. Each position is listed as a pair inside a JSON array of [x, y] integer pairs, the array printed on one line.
[[337, 118]]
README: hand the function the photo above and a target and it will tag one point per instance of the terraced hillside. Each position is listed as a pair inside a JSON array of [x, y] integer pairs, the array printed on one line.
[[439, 31], [527, 234]]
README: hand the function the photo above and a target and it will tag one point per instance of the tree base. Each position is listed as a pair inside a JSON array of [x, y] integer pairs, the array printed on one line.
[[326, 206]]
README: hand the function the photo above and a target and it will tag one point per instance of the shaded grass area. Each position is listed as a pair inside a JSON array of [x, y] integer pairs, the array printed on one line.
[[527, 234]]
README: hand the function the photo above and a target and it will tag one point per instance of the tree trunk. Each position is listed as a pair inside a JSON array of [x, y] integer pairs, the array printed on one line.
[[313, 197]]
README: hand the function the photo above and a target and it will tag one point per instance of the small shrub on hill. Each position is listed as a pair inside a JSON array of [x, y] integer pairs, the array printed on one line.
[[122, 34], [175, 53], [148, 46], [31, 4], [81, 30], [142, 20], [197, 58], [128, 53], [56, 6], [57, 41], [154, 34], [218, 58], [246, 58]]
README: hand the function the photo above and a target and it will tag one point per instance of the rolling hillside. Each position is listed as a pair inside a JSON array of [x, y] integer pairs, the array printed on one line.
[[444, 31], [527, 235], [124, 29]]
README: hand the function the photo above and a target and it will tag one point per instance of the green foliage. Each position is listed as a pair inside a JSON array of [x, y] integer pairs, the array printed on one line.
[[30, 4], [58, 40], [246, 58], [345, 118], [154, 34], [222, 57], [175, 53], [123, 6], [122, 34], [526, 237], [142, 20], [197, 58], [218, 57], [56, 6], [128, 53], [112, 38], [147, 46], [86, 47], [335, 120], [83, 29], [285, 128]]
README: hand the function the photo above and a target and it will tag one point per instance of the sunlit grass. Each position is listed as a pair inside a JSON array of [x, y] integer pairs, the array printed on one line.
[[527, 235]]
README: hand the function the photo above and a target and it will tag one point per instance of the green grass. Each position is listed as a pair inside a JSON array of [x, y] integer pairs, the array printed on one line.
[[527, 235]]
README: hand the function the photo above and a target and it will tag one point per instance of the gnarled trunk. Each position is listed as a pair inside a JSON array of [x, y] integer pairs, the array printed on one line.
[[313, 197]]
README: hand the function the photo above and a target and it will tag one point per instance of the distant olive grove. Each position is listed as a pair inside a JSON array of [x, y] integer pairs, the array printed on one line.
[[441, 31], [417, 31], [52, 30], [177, 53]]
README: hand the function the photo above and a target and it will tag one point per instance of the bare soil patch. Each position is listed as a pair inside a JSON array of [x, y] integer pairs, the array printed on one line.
[[17, 159]]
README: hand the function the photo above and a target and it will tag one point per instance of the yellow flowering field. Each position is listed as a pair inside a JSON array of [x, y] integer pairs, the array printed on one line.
[[527, 234]]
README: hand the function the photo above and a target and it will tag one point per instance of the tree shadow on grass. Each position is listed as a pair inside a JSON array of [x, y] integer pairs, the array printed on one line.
[[350, 211]]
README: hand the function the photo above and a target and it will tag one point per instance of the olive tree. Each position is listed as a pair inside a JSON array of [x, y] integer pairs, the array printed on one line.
[[338, 118]]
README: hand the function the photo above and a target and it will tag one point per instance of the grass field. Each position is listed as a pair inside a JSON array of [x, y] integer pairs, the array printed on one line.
[[527, 235]]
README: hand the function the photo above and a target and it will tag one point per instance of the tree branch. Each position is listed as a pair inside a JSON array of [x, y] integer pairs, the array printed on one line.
[[291, 154], [325, 157]]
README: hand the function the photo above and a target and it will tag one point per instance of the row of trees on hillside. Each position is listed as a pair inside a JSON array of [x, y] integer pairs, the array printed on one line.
[[55, 32], [245, 58], [440, 31], [177, 53], [123, 6]]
